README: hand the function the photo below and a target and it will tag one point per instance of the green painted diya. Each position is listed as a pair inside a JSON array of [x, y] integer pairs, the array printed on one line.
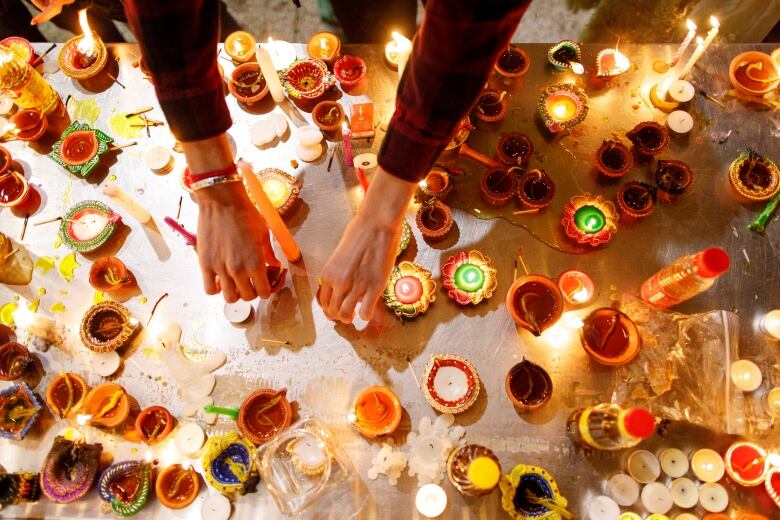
[[406, 237], [79, 148], [125, 485], [87, 225]]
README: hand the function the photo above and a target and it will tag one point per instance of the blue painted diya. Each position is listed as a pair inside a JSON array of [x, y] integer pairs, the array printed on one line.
[[19, 410], [125, 485], [531, 493], [228, 463]]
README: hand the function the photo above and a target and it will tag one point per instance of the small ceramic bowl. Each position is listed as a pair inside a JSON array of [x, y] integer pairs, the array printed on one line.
[[754, 73], [535, 189], [613, 159], [434, 220], [636, 200], [513, 62], [247, 83], [328, 116], [649, 138], [498, 186], [515, 149], [349, 70]]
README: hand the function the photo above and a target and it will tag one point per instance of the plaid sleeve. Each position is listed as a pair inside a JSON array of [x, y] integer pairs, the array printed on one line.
[[454, 52], [178, 39]]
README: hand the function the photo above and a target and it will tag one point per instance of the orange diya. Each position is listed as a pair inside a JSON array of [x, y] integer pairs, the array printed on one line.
[[491, 106], [610, 337], [109, 274], [649, 138], [83, 56], [498, 186], [328, 115], [513, 62], [753, 177], [154, 424], [14, 359], [66, 394], [107, 405], [377, 411], [263, 414], [241, 46], [534, 302], [247, 83], [434, 220], [30, 124], [177, 486]]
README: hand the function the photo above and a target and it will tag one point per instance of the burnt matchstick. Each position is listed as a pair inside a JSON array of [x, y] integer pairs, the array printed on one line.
[[139, 112], [39, 59]]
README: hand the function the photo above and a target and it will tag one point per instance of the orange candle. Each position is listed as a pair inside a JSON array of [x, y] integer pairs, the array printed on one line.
[[177, 486], [377, 411]]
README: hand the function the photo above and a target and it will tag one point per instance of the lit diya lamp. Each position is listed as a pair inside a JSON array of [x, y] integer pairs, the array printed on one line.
[[473, 469], [534, 302], [649, 138], [514, 149], [563, 106], [397, 52], [247, 83], [613, 159], [307, 80], [154, 424], [328, 115], [14, 189], [610, 337], [590, 219], [491, 106], [125, 485], [177, 486], [498, 186], [29, 124], [324, 46], [576, 287], [469, 277], [79, 148], [435, 185], [228, 464], [240, 46], [434, 220], [450, 383], [746, 463], [636, 200], [107, 405], [566, 55], [753, 177], [513, 62], [528, 386], [283, 190], [88, 225], [19, 487], [20, 46], [109, 274], [377, 411], [14, 360], [107, 326], [19, 409], [531, 493], [672, 178], [754, 73], [349, 70], [83, 56], [69, 470], [263, 414], [66, 394], [309, 453], [535, 189], [611, 63], [410, 290]]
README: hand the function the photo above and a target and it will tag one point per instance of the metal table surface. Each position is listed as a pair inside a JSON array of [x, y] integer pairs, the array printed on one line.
[[329, 363]]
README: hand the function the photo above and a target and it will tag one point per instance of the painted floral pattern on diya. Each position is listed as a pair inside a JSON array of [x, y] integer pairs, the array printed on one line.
[[590, 219], [107, 405], [76, 64], [491, 106], [19, 409], [562, 106], [513, 62], [177, 487], [498, 186], [14, 359], [19, 487], [610, 337], [636, 199], [649, 138], [450, 383], [514, 149], [531, 493], [349, 70], [473, 469], [66, 394], [69, 470], [534, 302], [106, 326], [406, 237], [673, 177], [528, 386], [227, 463], [125, 485], [79, 148], [469, 277], [87, 225], [535, 189], [263, 414], [563, 54], [410, 290], [14, 189], [109, 274], [154, 424], [434, 220], [754, 177], [283, 189], [328, 115], [613, 159], [307, 79], [746, 463]]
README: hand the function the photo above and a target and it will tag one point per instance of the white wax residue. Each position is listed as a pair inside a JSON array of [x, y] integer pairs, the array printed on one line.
[[450, 383], [88, 226]]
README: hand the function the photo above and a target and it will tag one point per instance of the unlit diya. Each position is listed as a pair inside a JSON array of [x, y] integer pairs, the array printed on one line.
[[434, 220], [491, 106], [469, 277], [636, 199], [410, 290], [125, 485], [498, 186], [613, 159], [263, 414], [66, 394], [307, 79], [14, 359], [19, 409], [513, 62], [107, 405], [154, 424], [754, 177], [610, 337], [649, 138], [228, 463], [535, 189], [88, 225], [30, 124], [176, 487], [328, 115], [514, 149], [247, 83], [672, 178], [349, 70], [107, 326], [528, 386], [450, 383], [109, 274], [14, 189], [535, 303]]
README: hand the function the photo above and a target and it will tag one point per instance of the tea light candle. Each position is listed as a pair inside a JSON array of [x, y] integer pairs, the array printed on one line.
[[308, 455], [773, 400], [576, 287], [644, 467], [190, 438], [656, 498], [686, 516], [603, 508], [681, 91], [238, 312], [746, 375], [679, 122], [623, 489], [240, 45], [770, 324], [684, 493], [708, 465], [713, 497], [89, 225], [216, 507], [105, 363], [674, 463], [402, 49], [431, 500], [450, 383]]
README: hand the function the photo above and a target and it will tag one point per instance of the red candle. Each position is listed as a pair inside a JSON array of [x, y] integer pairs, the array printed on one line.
[[408, 289]]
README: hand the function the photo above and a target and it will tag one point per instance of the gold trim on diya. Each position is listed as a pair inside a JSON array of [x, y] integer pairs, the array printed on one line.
[[410, 290], [107, 326]]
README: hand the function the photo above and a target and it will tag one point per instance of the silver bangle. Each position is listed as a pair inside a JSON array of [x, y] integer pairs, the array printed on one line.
[[213, 181]]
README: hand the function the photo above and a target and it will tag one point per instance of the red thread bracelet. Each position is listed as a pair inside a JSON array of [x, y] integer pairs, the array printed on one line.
[[190, 177]]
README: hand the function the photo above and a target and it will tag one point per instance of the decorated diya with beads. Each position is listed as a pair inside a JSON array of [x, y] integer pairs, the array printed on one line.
[[107, 405], [535, 303], [450, 383], [176, 487], [636, 199], [672, 178], [283, 189], [349, 70], [263, 414], [83, 56], [649, 138], [513, 62], [307, 79], [515, 149], [66, 394], [88, 225], [107, 326], [469, 277], [562, 106], [491, 106], [69, 470], [498, 186], [19, 409], [531, 493], [14, 360], [590, 219], [110, 274], [154, 424], [434, 220], [613, 159], [746, 463], [19, 487], [528, 386], [410, 290], [535, 189], [125, 485], [228, 464], [563, 54], [610, 337], [753, 177], [80, 148]]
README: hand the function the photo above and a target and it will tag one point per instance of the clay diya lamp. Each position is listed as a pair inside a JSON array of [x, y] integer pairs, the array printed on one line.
[[746, 463], [240, 46], [610, 337], [228, 463], [754, 73], [349, 70], [514, 149], [434, 220], [107, 405], [176, 487], [66, 394], [491, 106], [79, 148], [611, 63], [109, 274], [562, 106], [69, 470], [436, 185], [672, 178], [107, 326], [83, 57], [154, 424], [469, 277], [410, 290], [14, 189], [772, 484], [324, 46], [377, 411], [528, 386], [125, 486], [20, 46], [14, 359], [473, 469], [589, 219], [531, 493], [498, 186], [19, 487], [88, 225], [450, 383], [30, 124], [613, 159], [19, 409], [5, 160], [263, 414], [755, 178], [307, 80], [649, 138], [247, 83], [534, 302], [564, 55], [576, 287], [328, 116], [283, 190], [636, 200], [513, 62], [535, 189]]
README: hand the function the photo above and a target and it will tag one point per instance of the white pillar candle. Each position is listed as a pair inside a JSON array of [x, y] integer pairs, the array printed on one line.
[[657, 498], [403, 47], [270, 75], [773, 401], [431, 500], [681, 91], [643, 466], [746, 375], [105, 363], [713, 497], [770, 324], [708, 465], [674, 463], [684, 45], [603, 508], [190, 438], [679, 122], [216, 507], [684, 493], [127, 202], [623, 489]]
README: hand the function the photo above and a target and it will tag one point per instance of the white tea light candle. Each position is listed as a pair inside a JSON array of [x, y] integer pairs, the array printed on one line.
[[623, 489], [643, 466], [746, 375], [431, 500]]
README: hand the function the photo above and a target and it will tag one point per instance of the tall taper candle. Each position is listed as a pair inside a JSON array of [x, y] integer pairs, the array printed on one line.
[[269, 73], [684, 45]]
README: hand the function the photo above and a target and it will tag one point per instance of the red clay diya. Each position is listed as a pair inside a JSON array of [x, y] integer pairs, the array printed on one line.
[[755, 178], [613, 159], [154, 424], [30, 124], [528, 386], [19, 409], [514, 149], [377, 411], [754, 73], [69, 470], [746, 463], [240, 46], [576, 287], [534, 302], [535, 189], [5, 160], [498, 186], [324, 46], [469, 277], [328, 116], [410, 290], [14, 359], [14, 189], [247, 83], [263, 414], [610, 337], [636, 200], [79, 148], [109, 274], [590, 219], [491, 106], [66, 394], [562, 106], [176, 487], [107, 405], [772, 484], [672, 178], [563, 55], [434, 220], [82, 57], [88, 225], [107, 326], [436, 185], [513, 62], [283, 190], [125, 486], [649, 138], [349, 70], [450, 383], [307, 79], [20, 46]]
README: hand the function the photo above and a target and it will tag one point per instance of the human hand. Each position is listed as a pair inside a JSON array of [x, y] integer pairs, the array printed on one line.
[[49, 9]]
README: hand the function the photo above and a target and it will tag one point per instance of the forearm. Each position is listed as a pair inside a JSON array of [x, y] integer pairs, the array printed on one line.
[[386, 200]]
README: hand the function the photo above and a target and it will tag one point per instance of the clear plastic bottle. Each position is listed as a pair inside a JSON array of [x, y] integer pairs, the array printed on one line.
[[23, 84], [685, 278], [609, 426]]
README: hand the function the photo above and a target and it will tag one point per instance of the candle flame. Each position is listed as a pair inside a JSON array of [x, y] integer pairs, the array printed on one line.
[[23, 316], [86, 45], [148, 456], [690, 24], [580, 296], [401, 41], [621, 61], [699, 41], [577, 68], [270, 40], [714, 22], [82, 419]]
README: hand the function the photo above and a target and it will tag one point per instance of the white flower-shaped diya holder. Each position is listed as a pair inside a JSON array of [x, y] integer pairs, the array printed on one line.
[[429, 447], [388, 461]]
